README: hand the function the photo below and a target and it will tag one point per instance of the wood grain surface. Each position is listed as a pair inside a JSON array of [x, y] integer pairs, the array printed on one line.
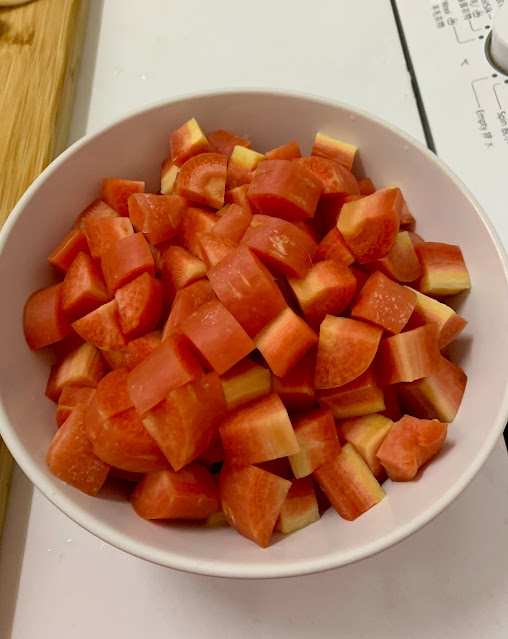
[[40, 46]]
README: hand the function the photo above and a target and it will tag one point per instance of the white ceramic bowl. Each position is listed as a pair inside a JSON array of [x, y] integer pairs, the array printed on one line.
[[133, 148]]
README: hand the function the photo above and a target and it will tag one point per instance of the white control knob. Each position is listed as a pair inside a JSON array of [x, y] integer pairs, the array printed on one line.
[[499, 42]]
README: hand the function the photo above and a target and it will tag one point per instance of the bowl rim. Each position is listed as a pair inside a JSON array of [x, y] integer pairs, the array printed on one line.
[[259, 569]]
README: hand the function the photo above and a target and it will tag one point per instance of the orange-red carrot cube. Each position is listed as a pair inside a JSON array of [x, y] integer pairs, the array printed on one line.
[[437, 396], [300, 508], [65, 253], [282, 188], [70, 397], [169, 366], [384, 303], [70, 456], [335, 179], [242, 165], [81, 367], [84, 288], [401, 262], [116, 192], [138, 349], [252, 499], [195, 221], [284, 341], [247, 289], [317, 437], [187, 141], [126, 260], [349, 484], [187, 300], [444, 271], [214, 248], [97, 208], [157, 216], [370, 225], [44, 320], [328, 147], [169, 173], [224, 142], [280, 245], [187, 420], [102, 327], [258, 432], [346, 348], [367, 433], [180, 268], [408, 356], [430, 311], [233, 224], [326, 289], [202, 179], [334, 247], [289, 151], [360, 397], [245, 382], [296, 389], [191, 493], [217, 336], [410, 443]]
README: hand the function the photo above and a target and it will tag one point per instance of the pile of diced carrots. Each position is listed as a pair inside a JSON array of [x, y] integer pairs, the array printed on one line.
[[264, 337]]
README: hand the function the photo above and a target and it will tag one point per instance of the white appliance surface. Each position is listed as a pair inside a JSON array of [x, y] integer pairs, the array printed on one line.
[[449, 580], [464, 96]]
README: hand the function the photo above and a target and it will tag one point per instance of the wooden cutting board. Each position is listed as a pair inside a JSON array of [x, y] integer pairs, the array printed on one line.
[[40, 47]]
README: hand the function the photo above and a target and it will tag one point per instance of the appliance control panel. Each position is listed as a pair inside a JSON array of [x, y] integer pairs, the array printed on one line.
[[459, 54]]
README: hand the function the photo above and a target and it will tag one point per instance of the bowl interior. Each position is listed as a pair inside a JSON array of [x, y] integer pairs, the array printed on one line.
[[134, 148]]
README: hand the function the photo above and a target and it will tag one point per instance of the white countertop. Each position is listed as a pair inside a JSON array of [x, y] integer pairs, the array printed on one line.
[[449, 580]]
